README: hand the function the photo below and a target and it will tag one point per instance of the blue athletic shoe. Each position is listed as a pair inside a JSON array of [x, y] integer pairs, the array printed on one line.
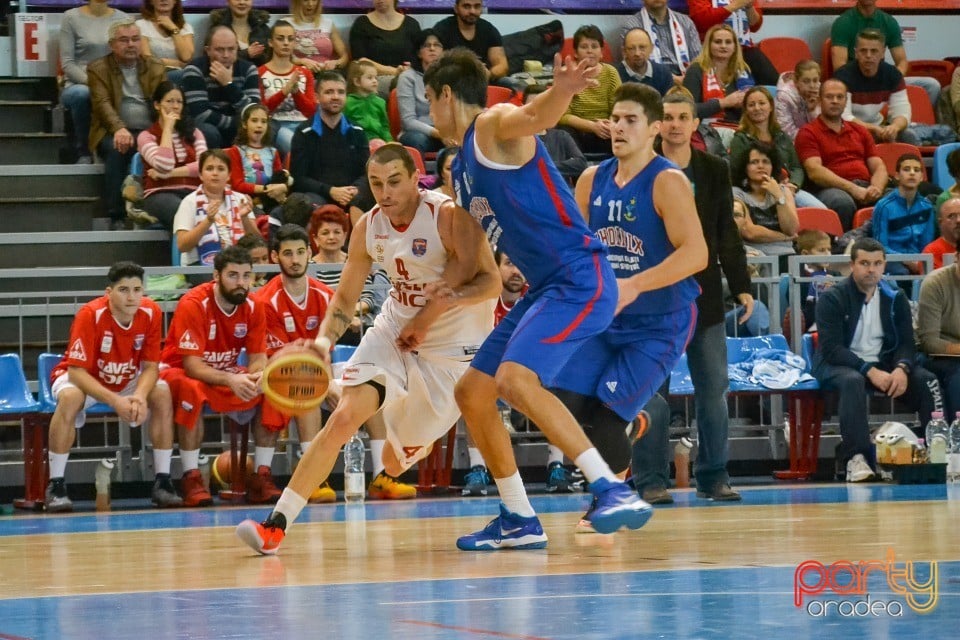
[[476, 482], [617, 506], [506, 531]]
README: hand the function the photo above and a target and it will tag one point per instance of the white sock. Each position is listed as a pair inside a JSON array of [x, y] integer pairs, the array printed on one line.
[[303, 448], [58, 463], [376, 454], [554, 454], [290, 505], [190, 460], [594, 467], [161, 460], [263, 457], [476, 460], [514, 496]]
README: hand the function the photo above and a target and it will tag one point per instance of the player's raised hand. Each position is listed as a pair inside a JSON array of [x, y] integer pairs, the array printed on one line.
[[573, 77]]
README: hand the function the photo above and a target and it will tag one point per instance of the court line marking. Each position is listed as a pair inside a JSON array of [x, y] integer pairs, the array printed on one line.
[[496, 634]]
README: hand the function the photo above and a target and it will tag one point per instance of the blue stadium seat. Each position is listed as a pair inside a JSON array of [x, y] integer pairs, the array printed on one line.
[[342, 353], [942, 177], [48, 403], [15, 396]]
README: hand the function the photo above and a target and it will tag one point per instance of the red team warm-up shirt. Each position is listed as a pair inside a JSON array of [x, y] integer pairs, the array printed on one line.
[[286, 320], [201, 328], [109, 352]]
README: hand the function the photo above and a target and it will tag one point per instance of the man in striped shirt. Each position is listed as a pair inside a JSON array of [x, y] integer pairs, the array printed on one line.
[[218, 85]]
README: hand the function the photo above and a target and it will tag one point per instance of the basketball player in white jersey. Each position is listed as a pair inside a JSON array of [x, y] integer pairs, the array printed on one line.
[[440, 309]]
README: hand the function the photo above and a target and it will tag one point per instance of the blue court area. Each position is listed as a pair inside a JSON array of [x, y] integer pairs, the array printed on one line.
[[571, 590]]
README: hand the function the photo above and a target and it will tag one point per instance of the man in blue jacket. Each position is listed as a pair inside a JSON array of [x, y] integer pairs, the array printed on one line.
[[866, 343]]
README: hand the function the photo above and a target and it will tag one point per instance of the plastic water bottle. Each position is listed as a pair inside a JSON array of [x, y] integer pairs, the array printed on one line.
[[681, 460], [953, 459], [101, 480], [353, 479], [938, 434]]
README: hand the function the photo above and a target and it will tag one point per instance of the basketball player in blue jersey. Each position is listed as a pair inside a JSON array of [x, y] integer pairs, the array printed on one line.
[[504, 177], [642, 207]]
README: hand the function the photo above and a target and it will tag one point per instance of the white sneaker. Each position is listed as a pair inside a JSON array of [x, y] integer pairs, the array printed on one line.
[[858, 470]]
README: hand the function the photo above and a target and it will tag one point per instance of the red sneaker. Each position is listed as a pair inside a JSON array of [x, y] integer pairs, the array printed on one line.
[[261, 538], [260, 487], [194, 493]]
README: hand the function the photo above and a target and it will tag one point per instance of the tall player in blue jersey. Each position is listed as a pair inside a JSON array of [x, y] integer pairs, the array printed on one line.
[[504, 177], [642, 207]]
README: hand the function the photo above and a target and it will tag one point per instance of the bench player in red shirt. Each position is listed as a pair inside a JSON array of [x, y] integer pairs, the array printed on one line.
[[212, 324], [112, 358]]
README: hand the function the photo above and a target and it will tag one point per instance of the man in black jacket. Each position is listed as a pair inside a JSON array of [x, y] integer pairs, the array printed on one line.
[[866, 343], [707, 351], [328, 156]]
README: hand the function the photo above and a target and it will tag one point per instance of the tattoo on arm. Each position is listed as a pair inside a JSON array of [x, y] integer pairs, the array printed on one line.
[[338, 325]]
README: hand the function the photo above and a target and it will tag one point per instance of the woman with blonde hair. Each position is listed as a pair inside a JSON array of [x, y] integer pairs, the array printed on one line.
[[718, 77], [319, 46], [758, 125]]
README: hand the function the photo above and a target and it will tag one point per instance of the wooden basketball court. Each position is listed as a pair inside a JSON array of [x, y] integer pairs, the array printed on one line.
[[391, 570]]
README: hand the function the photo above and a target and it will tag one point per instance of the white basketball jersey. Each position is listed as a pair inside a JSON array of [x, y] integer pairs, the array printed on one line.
[[413, 258]]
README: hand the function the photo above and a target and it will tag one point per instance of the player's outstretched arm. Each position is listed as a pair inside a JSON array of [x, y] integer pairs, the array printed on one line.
[[342, 307], [544, 111], [582, 191], [673, 200]]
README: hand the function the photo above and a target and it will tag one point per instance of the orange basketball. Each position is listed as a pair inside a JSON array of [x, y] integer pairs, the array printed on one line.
[[296, 379], [220, 470]]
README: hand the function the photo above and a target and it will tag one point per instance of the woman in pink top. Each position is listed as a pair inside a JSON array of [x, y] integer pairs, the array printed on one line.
[[169, 149], [319, 45], [286, 89]]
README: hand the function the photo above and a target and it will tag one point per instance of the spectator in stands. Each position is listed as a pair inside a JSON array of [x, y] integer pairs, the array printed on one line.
[[840, 157], [213, 217], [319, 45], [636, 65], [84, 38], [250, 25], [865, 15], [650, 462], [706, 351], [742, 16], [718, 77], [164, 34], [465, 28], [814, 242], [256, 169], [938, 323], [365, 108], [953, 168], [561, 146], [949, 216], [286, 88], [202, 369], [328, 158], [875, 86], [113, 358], [675, 39], [758, 124], [588, 116], [256, 246], [798, 97], [773, 222], [866, 343], [170, 148], [387, 39], [218, 85], [445, 159], [121, 85], [955, 98], [416, 125], [903, 220]]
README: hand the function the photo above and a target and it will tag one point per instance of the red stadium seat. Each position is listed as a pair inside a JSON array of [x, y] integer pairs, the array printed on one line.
[[393, 114], [941, 70], [920, 107], [417, 160], [785, 53], [890, 151], [826, 61], [496, 95], [825, 220], [862, 216]]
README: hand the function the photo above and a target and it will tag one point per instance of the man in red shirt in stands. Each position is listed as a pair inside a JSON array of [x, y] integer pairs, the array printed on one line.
[[294, 304], [949, 216], [212, 324], [112, 358]]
